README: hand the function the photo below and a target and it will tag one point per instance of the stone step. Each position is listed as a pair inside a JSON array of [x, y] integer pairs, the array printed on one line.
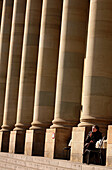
[[35, 161], [21, 162], [15, 162], [7, 166], [30, 166]]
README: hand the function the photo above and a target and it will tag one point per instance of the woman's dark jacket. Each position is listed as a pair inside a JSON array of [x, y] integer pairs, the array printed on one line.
[[95, 137]]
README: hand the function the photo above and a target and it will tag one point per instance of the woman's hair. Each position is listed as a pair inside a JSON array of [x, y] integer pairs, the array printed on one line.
[[97, 127]]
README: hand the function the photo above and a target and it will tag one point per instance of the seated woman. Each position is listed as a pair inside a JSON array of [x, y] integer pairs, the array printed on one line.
[[92, 138], [91, 154]]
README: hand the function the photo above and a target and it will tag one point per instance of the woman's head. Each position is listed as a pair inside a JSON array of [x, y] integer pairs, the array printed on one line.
[[95, 128]]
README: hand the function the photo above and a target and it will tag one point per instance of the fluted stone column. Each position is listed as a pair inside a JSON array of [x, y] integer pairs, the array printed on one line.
[[13, 71], [5, 30], [6, 22], [27, 74], [14, 63], [97, 86], [46, 76], [69, 79]]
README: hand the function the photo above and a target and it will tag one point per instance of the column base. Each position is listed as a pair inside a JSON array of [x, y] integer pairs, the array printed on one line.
[[109, 147], [4, 141], [56, 140], [17, 141], [34, 142], [78, 136]]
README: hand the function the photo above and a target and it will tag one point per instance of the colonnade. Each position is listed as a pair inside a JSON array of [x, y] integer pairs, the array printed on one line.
[[55, 72]]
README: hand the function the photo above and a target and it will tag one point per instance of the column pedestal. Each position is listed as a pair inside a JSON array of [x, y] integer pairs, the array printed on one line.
[[56, 140], [4, 141], [109, 147], [78, 136], [17, 141], [34, 142]]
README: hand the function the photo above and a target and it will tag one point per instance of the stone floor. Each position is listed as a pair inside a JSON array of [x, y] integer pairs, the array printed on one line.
[[21, 162]]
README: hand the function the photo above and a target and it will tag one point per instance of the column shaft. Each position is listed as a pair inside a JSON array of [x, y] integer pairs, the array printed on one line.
[[97, 87], [14, 63], [28, 65], [6, 22], [46, 77], [47, 64], [69, 78], [70, 65]]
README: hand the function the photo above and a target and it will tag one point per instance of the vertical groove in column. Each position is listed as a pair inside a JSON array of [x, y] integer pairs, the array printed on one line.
[[6, 22], [97, 86], [47, 64], [70, 66], [28, 64], [14, 63]]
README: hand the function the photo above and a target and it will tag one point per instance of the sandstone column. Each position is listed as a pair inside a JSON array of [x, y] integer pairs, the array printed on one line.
[[6, 22], [12, 85], [27, 74], [69, 79], [46, 76], [97, 86]]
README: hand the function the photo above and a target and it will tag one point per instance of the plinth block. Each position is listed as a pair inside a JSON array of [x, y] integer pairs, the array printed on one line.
[[4, 141], [34, 142], [17, 142], [109, 146], [78, 136], [56, 140]]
